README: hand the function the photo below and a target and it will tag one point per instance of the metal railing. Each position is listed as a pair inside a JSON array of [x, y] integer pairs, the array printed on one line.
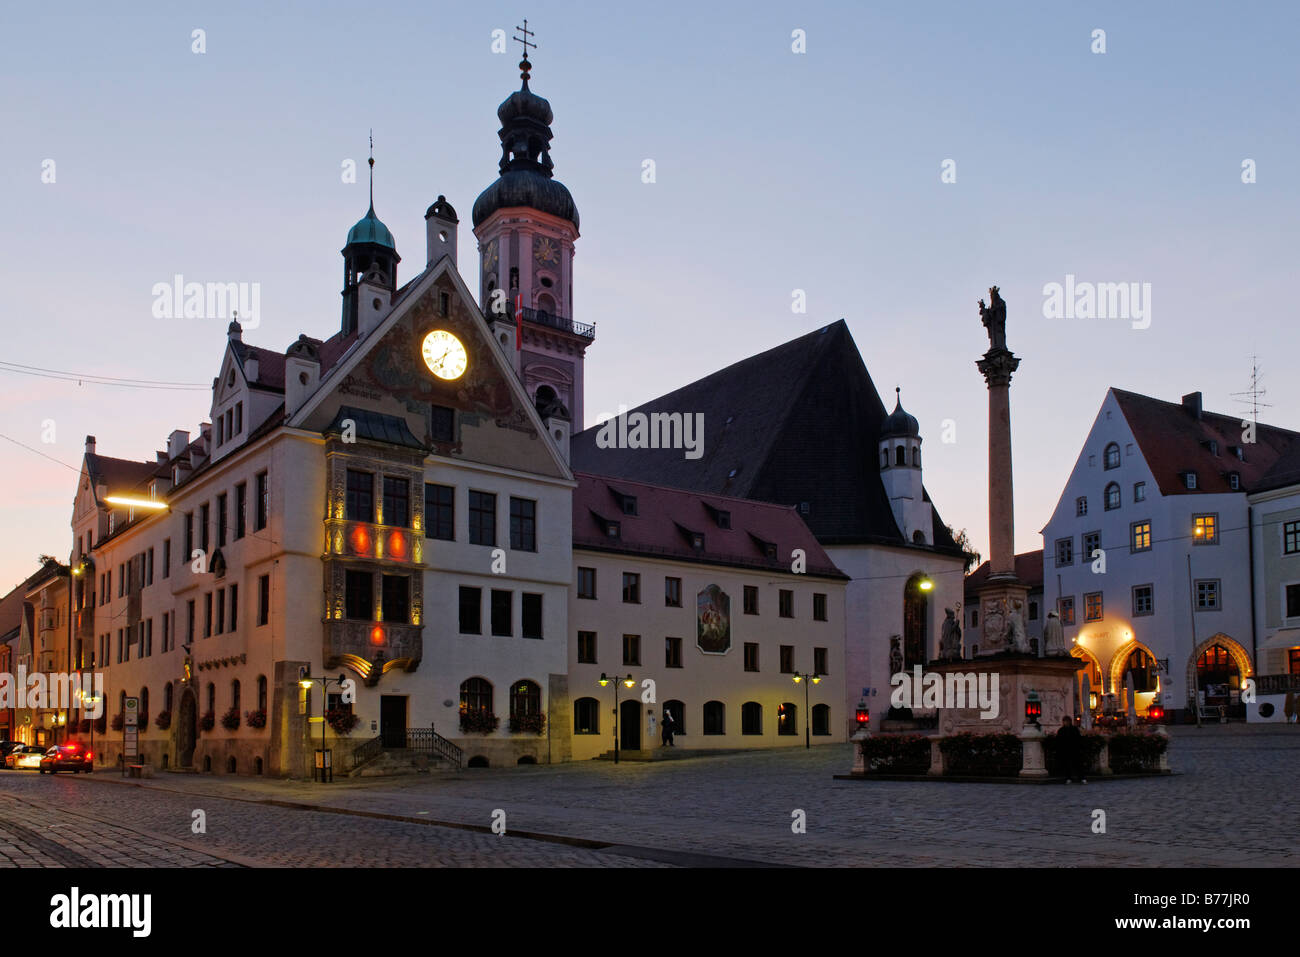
[[544, 318], [368, 751], [1278, 684], [431, 742]]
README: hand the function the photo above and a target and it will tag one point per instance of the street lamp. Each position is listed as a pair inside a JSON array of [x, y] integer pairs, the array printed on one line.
[[628, 681], [1033, 708], [89, 702], [813, 678], [306, 683], [863, 714]]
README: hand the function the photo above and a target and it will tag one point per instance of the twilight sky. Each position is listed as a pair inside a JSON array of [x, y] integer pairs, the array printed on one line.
[[775, 171]]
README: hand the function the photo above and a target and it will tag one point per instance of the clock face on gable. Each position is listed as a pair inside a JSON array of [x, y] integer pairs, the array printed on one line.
[[444, 355]]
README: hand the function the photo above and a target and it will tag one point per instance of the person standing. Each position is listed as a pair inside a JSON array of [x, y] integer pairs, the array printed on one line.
[[1069, 748], [668, 724]]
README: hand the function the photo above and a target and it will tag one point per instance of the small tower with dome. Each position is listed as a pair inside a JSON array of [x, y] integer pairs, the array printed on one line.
[[900, 472]]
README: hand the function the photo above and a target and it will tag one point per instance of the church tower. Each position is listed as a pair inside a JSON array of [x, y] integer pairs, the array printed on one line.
[[900, 472], [526, 224], [369, 257]]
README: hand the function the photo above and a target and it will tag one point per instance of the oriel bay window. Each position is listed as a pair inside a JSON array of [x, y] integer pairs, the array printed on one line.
[[359, 595]]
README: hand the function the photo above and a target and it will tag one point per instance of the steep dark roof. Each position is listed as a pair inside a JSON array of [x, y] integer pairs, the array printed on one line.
[[1173, 441], [665, 518], [120, 475], [374, 427], [798, 423], [1285, 471], [1029, 570]]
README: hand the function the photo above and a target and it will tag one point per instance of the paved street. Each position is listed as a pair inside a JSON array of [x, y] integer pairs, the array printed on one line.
[[1230, 805]]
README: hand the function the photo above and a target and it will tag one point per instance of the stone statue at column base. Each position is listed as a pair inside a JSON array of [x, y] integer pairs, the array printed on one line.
[[950, 638], [1054, 636]]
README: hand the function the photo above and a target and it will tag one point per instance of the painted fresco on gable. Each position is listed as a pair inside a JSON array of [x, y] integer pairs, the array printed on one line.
[[713, 620]]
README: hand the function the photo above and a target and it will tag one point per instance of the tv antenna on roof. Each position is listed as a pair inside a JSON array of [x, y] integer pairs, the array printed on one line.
[[1251, 396]]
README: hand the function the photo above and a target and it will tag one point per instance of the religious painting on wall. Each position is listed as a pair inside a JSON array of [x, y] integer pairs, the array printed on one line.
[[713, 617]]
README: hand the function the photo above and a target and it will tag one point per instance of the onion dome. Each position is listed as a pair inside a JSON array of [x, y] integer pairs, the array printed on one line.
[[525, 166], [899, 424], [369, 229]]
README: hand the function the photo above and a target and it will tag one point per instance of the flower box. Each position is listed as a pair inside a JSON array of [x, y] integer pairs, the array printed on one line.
[[230, 720], [119, 721], [255, 719], [528, 723], [163, 721], [208, 721], [478, 722], [342, 720]]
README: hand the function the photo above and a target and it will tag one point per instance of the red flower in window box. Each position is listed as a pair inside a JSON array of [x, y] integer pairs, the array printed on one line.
[[163, 721], [478, 722], [119, 721], [528, 723], [342, 720], [255, 719], [230, 720], [208, 721]]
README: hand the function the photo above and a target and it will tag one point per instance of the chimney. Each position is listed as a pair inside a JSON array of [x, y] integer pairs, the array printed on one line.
[[90, 445], [251, 367], [1192, 403], [176, 443]]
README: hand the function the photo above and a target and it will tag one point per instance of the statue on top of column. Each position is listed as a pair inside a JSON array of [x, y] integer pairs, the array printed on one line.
[[994, 317]]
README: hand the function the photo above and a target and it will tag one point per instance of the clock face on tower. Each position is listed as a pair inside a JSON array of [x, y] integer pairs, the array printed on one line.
[[546, 251], [444, 355], [490, 257]]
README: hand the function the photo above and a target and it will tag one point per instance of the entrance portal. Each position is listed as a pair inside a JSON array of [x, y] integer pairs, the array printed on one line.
[[187, 733], [629, 725], [392, 720]]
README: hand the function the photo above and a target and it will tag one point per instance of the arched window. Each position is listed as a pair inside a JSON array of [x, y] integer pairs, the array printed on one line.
[[525, 698], [234, 694], [751, 718], [715, 717], [144, 707], [884, 458], [900, 455], [916, 456], [167, 698], [261, 692], [821, 719], [1217, 675], [1111, 457], [586, 716], [212, 697], [1112, 496], [476, 695], [1143, 668], [546, 304], [678, 711], [787, 719], [121, 703], [918, 537]]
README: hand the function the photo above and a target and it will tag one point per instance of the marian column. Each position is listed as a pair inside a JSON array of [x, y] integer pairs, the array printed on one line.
[[1002, 597]]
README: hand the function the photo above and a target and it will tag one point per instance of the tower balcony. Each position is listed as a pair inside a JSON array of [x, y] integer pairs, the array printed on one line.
[[551, 321]]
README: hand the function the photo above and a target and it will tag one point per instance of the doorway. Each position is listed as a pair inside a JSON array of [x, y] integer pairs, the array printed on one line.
[[392, 720], [629, 725]]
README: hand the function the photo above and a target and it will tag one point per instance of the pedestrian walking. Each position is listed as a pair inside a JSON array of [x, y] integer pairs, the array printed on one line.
[[1069, 751]]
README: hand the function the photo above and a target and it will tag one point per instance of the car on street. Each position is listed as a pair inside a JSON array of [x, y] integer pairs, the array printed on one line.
[[67, 757], [24, 756], [6, 747]]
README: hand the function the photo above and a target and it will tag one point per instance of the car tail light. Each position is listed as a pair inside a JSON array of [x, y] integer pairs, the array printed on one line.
[[89, 755]]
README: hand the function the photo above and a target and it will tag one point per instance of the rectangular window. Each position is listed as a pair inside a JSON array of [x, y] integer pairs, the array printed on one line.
[[120, 646], [359, 502], [1091, 545], [1140, 538], [148, 638], [820, 660], [148, 568], [167, 631], [785, 603], [787, 659], [751, 599], [673, 592], [1139, 491], [443, 424], [189, 621], [1092, 606], [1081, 505], [241, 510], [501, 613], [1066, 609], [263, 493], [1290, 538], [631, 588], [239, 417], [207, 615], [189, 536], [751, 656], [530, 614], [1143, 600], [263, 599], [222, 500], [672, 652], [205, 523], [440, 512], [471, 610], [358, 595], [221, 611], [587, 647], [819, 607], [631, 649], [1207, 594], [523, 524], [1205, 529], [1064, 551], [397, 501], [396, 595], [1033, 611], [586, 582], [482, 518]]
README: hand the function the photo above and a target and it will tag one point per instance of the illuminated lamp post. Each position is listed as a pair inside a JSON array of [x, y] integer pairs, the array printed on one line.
[[306, 683], [628, 681], [806, 679], [1033, 709]]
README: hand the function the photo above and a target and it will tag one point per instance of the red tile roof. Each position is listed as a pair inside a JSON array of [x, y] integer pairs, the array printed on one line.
[[1029, 569], [665, 517], [1173, 441]]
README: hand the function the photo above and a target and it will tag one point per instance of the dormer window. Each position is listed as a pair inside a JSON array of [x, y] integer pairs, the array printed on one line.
[[1238, 451], [769, 550], [1213, 445], [626, 503], [613, 529], [1189, 480], [1234, 481], [697, 542], [721, 517]]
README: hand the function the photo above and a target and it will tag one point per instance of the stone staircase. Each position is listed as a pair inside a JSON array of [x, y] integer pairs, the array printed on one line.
[[395, 761]]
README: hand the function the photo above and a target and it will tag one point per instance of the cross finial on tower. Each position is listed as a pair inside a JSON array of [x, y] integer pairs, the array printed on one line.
[[372, 172], [524, 65]]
